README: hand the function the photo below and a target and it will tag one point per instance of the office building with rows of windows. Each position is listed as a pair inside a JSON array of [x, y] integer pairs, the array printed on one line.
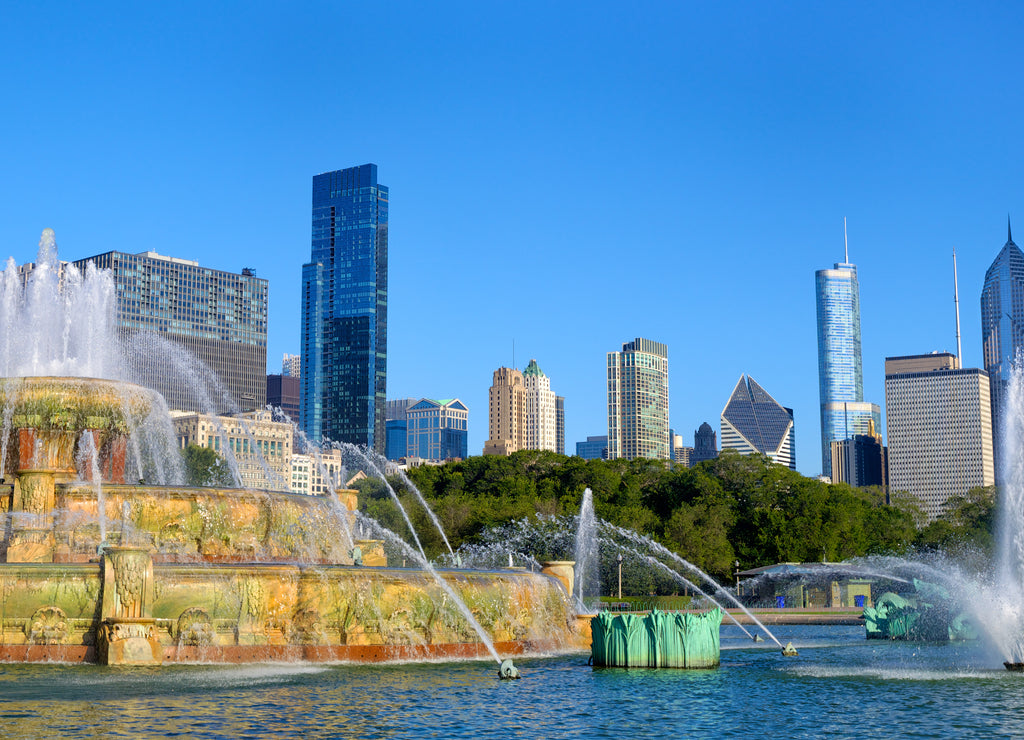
[[638, 401], [438, 430], [940, 429], [219, 317]]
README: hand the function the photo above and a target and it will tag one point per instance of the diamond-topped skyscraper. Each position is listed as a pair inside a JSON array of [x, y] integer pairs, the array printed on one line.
[[755, 423], [844, 413], [345, 310], [1002, 329]]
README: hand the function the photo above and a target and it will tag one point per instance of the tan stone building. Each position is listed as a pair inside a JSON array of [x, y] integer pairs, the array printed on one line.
[[506, 419], [261, 446]]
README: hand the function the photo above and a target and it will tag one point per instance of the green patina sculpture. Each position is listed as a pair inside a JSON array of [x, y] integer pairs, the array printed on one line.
[[656, 640], [929, 615]]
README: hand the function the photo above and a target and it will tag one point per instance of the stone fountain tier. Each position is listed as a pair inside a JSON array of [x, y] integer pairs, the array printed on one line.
[[189, 525], [128, 610], [48, 416]]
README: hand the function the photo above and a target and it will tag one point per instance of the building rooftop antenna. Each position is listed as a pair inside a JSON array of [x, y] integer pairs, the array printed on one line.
[[846, 243], [956, 304]]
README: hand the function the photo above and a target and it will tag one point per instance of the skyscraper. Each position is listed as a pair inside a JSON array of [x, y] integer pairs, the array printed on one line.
[[506, 413], [219, 317], [638, 401], [1002, 329], [541, 418], [940, 429], [345, 310], [844, 412], [754, 423]]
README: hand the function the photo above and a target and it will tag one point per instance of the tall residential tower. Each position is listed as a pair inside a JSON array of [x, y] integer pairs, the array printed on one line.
[[345, 310], [844, 413], [638, 401]]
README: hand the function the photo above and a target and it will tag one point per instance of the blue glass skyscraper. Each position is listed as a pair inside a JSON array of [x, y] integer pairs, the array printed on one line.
[[1002, 330], [844, 412], [345, 310]]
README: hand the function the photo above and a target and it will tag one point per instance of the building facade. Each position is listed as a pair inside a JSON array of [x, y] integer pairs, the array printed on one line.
[[595, 448], [940, 429], [260, 447], [705, 444], [218, 317], [755, 423], [638, 401], [438, 430], [291, 365], [1002, 330], [844, 412], [344, 310], [541, 413], [283, 393], [506, 413], [560, 425], [318, 474], [861, 460], [397, 427]]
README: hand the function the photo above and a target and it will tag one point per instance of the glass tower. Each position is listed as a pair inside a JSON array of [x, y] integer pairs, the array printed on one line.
[[844, 412], [1002, 329], [344, 310]]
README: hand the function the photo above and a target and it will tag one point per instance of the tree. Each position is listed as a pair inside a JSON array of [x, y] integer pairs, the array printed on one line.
[[204, 467]]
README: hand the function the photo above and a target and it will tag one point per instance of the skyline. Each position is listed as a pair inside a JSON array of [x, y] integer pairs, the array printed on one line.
[[531, 164]]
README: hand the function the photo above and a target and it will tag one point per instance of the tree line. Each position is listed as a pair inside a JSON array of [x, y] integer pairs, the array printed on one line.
[[734, 508]]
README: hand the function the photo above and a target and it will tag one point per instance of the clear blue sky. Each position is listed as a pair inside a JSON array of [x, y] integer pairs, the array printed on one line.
[[564, 176]]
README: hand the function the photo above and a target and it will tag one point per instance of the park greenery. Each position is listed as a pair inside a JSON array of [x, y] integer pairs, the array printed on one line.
[[734, 508], [204, 467]]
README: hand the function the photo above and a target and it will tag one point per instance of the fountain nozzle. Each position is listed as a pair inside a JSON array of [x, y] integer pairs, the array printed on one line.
[[789, 651], [507, 671]]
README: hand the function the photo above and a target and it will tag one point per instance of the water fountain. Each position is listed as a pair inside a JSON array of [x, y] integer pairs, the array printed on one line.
[[94, 567]]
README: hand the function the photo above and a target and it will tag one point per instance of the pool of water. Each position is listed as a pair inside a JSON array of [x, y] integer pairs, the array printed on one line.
[[840, 685]]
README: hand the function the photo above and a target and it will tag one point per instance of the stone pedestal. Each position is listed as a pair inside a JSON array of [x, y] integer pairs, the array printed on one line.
[[128, 642], [563, 570], [128, 634]]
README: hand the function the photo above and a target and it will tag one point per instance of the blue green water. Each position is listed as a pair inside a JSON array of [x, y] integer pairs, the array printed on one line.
[[839, 686]]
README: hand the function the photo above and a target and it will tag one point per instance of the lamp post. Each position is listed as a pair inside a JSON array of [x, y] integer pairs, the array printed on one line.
[[736, 565], [619, 558]]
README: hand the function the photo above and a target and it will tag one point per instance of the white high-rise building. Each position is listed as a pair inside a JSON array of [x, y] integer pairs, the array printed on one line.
[[291, 365], [638, 401], [541, 419], [940, 429]]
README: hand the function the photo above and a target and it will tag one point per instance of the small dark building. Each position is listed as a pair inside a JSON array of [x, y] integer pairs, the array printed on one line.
[[705, 444], [283, 392]]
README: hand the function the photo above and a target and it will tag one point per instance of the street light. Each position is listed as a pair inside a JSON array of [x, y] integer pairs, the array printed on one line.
[[736, 565], [619, 558]]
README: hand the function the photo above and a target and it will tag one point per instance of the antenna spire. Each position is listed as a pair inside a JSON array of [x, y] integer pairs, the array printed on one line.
[[1009, 234], [956, 304], [846, 242]]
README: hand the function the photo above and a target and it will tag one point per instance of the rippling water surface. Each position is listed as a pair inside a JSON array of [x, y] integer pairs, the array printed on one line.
[[840, 686]]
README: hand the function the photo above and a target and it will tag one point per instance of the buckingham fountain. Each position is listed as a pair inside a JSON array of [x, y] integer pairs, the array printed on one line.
[[106, 557]]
